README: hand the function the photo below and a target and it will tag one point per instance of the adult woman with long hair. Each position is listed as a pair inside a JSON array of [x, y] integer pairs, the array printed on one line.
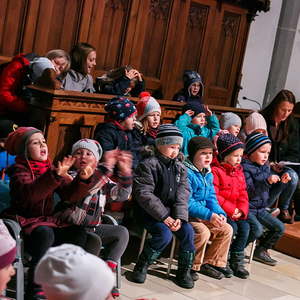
[[283, 131]]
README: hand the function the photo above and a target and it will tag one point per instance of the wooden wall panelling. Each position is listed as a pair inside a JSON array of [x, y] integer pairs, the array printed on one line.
[[229, 26], [51, 24], [12, 13]]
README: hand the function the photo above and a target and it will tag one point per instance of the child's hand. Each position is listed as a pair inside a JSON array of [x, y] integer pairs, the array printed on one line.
[[237, 214], [216, 220], [208, 112], [86, 172], [276, 167], [64, 166], [176, 225], [110, 158], [273, 179], [124, 163], [169, 221], [285, 178], [189, 112], [131, 74]]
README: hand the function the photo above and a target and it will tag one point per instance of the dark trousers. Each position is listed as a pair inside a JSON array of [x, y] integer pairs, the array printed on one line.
[[241, 229], [162, 235], [261, 219]]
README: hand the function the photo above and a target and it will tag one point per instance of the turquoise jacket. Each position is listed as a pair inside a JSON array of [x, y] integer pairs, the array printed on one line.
[[190, 130], [203, 201]]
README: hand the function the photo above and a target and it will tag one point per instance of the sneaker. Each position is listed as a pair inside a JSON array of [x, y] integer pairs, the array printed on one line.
[[224, 270], [194, 275], [210, 271], [261, 255], [115, 293]]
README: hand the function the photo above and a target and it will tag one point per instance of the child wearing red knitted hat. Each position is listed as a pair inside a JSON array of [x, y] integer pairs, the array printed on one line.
[[34, 180]]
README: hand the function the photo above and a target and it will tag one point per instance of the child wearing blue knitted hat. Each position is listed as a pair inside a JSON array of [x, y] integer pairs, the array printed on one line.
[[197, 120]]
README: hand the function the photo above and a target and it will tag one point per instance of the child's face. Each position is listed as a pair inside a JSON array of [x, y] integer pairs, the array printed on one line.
[[203, 158], [60, 64], [234, 129], [195, 88], [37, 148], [170, 151], [153, 119], [5, 274], [261, 155], [199, 119], [235, 157], [91, 61], [84, 158], [128, 123]]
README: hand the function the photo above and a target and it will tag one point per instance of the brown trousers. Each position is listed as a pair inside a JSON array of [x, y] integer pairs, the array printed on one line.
[[216, 253]]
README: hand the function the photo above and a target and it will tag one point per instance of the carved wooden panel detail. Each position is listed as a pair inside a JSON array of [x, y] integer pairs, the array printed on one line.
[[226, 48], [155, 37]]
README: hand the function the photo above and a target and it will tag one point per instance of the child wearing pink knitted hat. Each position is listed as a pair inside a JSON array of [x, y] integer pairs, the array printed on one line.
[[7, 257]]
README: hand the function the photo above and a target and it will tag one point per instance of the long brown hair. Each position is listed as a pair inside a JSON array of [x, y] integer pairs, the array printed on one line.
[[268, 112], [79, 55]]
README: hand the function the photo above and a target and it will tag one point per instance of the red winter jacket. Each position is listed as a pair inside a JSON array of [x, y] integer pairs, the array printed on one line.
[[231, 189], [11, 80]]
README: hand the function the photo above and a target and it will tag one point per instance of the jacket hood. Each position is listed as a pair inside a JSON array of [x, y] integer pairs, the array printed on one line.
[[191, 166], [227, 167], [190, 77]]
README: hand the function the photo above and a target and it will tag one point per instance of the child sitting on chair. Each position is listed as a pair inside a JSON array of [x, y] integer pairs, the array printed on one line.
[[197, 120], [7, 256], [259, 179], [161, 190], [88, 210], [206, 216]]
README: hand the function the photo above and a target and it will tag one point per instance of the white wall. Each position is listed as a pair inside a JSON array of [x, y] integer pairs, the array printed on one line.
[[293, 76], [258, 56]]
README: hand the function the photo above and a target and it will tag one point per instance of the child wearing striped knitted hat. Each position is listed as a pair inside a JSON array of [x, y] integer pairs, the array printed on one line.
[[161, 190], [259, 180]]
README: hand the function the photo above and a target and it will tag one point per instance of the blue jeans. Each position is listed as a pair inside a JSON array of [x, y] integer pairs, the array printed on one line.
[[241, 229], [258, 221], [284, 191], [162, 235]]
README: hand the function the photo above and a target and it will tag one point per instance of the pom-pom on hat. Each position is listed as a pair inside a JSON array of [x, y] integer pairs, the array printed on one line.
[[89, 144], [16, 142], [195, 106], [229, 119], [67, 272], [256, 140], [255, 121], [228, 143], [120, 108], [146, 106], [197, 143], [144, 94], [168, 134], [7, 247]]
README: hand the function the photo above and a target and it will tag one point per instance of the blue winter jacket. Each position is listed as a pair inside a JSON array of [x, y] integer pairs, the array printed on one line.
[[203, 201], [190, 130], [257, 184]]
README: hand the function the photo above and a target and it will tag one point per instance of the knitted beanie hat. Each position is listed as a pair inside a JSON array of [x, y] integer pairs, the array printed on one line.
[[120, 108], [68, 272], [88, 144], [146, 106], [253, 122], [195, 106], [229, 119], [6, 127], [7, 247], [16, 142], [168, 134], [197, 143], [228, 143], [256, 140]]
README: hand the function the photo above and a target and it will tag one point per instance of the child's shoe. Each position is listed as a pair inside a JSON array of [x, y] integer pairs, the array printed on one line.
[[183, 275], [261, 254], [210, 271], [237, 265], [194, 275], [228, 273]]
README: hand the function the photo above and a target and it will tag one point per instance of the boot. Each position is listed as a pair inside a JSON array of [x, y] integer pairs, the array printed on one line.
[[284, 216], [147, 257], [237, 265], [183, 274]]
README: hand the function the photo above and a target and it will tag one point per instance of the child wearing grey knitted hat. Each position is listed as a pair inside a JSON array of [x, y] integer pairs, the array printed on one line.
[[230, 122], [161, 189]]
